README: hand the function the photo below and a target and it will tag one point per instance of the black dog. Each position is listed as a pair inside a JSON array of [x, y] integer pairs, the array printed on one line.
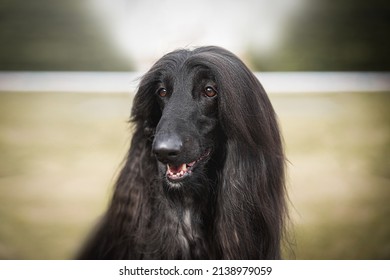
[[204, 177]]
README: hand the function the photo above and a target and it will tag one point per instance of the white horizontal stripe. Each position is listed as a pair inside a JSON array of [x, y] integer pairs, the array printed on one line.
[[273, 82]]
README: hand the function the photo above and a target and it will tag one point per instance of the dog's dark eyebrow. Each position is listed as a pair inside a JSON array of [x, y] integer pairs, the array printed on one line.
[[202, 72], [164, 77]]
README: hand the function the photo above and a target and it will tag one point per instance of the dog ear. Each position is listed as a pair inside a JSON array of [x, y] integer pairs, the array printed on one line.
[[251, 206], [146, 112], [149, 129]]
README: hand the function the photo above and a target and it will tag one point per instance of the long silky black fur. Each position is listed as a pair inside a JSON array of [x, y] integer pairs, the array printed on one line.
[[235, 209]]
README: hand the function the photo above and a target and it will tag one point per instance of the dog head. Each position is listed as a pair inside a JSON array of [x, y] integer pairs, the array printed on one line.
[[195, 102]]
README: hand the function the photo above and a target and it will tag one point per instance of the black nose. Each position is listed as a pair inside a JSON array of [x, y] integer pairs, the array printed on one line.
[[167, 147]]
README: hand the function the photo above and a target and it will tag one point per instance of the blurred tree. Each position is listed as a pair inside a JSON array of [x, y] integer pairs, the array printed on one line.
[[334, 35], [54, 35]]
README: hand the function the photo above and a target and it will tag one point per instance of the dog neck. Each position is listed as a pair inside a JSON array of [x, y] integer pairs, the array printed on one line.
[[189, 214]]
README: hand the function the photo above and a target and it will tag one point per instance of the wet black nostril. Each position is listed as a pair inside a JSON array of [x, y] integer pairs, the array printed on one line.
[[163, 151], [173, 153], [167, 148]]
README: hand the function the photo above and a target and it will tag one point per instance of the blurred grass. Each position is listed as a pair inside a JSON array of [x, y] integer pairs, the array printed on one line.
[[339, 176], [60, 153]]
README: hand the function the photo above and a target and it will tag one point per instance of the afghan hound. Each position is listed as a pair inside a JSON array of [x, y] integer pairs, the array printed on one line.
[[204, 175]]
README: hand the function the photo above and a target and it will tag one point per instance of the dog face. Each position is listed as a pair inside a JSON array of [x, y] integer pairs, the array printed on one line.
[[186, 133]]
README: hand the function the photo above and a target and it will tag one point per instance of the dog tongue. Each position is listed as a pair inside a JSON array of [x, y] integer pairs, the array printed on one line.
[[177, 169]]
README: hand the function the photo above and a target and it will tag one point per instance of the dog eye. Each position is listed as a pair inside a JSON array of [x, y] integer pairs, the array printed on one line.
[[210, 92], [162, 92]]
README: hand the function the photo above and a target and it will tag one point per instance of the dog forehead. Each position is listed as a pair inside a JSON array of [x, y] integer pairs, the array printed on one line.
[[187, 78], [183, 66]]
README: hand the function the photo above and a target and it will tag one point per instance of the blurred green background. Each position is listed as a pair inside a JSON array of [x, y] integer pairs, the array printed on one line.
[[117, 35], [60, 151]]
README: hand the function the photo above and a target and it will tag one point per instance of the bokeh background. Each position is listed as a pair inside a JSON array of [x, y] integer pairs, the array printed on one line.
[[60, 150]]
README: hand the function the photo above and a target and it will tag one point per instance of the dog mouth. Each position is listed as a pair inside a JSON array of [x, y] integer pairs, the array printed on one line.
[[178, 172]]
